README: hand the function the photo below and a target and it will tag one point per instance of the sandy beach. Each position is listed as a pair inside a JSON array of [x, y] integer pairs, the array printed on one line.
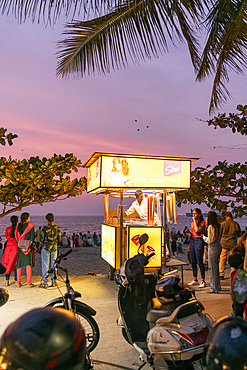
[[80, 262]]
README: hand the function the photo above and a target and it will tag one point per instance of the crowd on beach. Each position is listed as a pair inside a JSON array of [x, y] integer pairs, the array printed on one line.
[[80, 240], [209, 243], [22, 242]]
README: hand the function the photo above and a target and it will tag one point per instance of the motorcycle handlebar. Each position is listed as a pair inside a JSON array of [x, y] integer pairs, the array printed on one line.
[[151, 255], [59, 258]]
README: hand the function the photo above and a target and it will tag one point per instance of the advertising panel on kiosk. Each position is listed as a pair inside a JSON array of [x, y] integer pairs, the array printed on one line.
[[119, 171], [109, 240], [153, 244]]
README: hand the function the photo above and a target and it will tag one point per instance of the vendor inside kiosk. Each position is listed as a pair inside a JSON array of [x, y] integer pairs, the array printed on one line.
[[153, 182]]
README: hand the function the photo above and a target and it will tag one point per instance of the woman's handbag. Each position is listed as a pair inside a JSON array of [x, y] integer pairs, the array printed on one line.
[[24, 245]]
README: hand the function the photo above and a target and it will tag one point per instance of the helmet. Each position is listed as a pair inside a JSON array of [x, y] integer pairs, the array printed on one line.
[[134, 266], [43, 338], [227, 345], [168, 288], [4, 296]]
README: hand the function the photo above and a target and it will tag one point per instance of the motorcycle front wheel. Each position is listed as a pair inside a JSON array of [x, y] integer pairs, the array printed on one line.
[[89, 325]]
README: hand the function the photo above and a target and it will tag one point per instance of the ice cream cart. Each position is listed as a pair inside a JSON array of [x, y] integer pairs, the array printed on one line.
[[119, 175]]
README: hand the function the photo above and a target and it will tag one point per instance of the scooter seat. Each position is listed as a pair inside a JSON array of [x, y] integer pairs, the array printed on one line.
[[156, 310]]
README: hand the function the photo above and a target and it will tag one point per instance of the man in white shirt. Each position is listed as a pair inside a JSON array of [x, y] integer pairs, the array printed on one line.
[[140, 206]]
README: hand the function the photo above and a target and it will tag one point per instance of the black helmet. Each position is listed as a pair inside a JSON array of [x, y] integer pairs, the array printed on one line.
[[227, 345], [134, 266], [43, 338], [4, 296], [168, 288]]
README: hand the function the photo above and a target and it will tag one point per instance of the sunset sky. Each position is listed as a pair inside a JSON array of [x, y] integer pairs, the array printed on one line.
[[98, 113]]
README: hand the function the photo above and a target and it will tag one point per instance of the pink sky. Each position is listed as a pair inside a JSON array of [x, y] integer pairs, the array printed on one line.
[[52, 115]]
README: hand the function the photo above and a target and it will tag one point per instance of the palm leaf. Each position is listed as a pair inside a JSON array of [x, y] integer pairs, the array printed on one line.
[[50, 10], [225, 48], [135, 30]]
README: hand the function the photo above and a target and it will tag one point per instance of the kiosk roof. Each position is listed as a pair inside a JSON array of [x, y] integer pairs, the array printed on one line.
[[96, 155]]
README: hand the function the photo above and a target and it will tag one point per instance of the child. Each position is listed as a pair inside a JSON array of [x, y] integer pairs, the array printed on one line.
[[236, 262]]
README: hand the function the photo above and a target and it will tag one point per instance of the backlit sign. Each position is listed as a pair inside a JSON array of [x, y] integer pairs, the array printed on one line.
[[152, 245], [108, 244], [144, 173]]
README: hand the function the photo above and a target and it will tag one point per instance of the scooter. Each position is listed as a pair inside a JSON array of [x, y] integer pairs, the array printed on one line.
[[163, 321]]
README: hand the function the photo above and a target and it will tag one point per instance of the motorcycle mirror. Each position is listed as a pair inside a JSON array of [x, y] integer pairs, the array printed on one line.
[[239, 287], [143, 239]]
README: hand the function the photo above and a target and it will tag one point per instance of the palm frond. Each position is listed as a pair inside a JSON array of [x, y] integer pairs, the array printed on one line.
[[225, 48], [49, 11], [136, 30]]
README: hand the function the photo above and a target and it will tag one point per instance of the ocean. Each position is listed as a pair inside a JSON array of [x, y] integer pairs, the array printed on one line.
[[76, 224], [68, 224]]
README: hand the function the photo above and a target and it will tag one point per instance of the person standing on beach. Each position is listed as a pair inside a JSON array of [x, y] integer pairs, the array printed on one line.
[[89, 238], [50, 237], [64, 240], [73, 240], [10, 252], [214, 250], [37, 236], [197, 247], [95, 239], [25, 257], [230, 232], [76, 241], [80, 239]]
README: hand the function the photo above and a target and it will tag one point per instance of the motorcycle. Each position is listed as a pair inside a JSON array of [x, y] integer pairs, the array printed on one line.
[[82, 311], [163, 321]]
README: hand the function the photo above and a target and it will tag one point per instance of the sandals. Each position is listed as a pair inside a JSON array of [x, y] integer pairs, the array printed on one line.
[[53, 284], [43, 285]]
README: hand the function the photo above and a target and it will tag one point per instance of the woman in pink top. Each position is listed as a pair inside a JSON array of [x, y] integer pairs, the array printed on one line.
[[197, 247]]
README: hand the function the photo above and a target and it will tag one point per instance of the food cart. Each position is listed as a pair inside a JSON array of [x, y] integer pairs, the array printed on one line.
[[120, 175]]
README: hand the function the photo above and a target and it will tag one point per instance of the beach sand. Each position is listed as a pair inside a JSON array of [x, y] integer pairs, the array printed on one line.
[[80, 262]]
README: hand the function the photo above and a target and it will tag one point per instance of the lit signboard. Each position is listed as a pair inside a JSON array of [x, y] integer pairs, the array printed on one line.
[[153, 244], [114, 172], [108, 244], [93, 180]]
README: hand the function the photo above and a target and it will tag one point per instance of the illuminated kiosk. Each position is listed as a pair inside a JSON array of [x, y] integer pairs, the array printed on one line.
[[120, 175]]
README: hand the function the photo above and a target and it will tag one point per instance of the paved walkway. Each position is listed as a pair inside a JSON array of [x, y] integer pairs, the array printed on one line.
[[100, 293]]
